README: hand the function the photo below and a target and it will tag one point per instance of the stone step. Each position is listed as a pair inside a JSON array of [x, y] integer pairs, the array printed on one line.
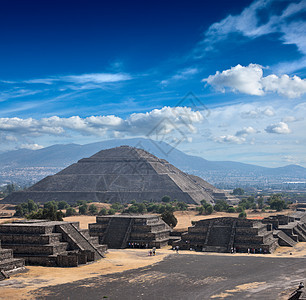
[[48, 249], [284, 239]]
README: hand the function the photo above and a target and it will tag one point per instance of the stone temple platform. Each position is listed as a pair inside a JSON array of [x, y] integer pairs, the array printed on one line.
[[225, 234], [138, 231], [9, 264], [50, 243]]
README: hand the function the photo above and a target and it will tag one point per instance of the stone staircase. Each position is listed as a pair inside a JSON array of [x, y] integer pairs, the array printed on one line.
[[78, 240], [117, 232], [284, 239], [8, 263], [50, 243]]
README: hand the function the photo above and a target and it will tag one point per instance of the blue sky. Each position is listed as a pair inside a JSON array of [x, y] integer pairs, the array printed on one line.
[[80, 72]]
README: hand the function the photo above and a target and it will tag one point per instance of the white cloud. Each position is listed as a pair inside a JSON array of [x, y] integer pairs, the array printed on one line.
[[289, 119], [230, 139], [31, 146], [96, 78], [250, 80], [241, 79], [279, 128], [245, 131], [168, 119], [181, 75], [257, 113], [248, 24], [86, 81]]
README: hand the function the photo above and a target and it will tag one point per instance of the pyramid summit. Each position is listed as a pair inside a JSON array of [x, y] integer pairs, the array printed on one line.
[[120, 174]]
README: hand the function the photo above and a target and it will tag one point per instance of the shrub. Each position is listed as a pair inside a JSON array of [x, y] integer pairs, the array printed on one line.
[[169, 218], [83, 209], [93, 209], [62, 205], [242, 215], [111, 211], [103, 211], [231, 209], [166, 199], [70, 211]]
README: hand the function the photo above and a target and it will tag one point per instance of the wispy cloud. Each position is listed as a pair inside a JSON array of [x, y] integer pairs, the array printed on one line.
[[289, 23], [83, 79], [181, 75]]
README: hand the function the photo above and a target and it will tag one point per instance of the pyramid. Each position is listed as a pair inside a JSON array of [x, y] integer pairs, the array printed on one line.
[[120, 174]]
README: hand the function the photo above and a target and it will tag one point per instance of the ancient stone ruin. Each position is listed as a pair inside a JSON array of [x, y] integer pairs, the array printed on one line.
[[9, 264], [50, 243], [119, 174], [289, 229], [226, 234], [122, 231]]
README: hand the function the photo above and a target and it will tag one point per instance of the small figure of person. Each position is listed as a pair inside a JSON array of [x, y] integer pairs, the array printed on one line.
[[150, 253], [177, 249], [248, 250], [154, 251]]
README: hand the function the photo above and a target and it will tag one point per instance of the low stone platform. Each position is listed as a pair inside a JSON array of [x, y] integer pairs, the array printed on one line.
[[9, 264], [226, 234], [50, 243], [137, 231]]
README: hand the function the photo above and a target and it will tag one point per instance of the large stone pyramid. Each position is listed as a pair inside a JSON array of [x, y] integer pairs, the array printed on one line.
[[119, 174]]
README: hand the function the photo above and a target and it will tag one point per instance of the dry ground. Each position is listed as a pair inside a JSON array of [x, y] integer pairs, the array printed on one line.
[[23, 285]]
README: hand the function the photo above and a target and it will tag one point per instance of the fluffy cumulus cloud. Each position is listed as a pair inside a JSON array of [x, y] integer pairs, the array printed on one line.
[[167, 121], [279, 128], [250, 80], [246, 131]]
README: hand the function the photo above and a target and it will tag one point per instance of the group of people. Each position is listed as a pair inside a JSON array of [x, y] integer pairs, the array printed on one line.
[[152, 252], [138, 245]]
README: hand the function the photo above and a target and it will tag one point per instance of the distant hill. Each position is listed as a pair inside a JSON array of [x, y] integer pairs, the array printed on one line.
[[56, 157]]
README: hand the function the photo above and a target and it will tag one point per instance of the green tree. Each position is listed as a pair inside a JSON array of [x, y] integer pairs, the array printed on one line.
[[242, 215], [209, 209], [62, 205], [70, 211], [93, 210], [111, 211], [83, 209], [169, 218], [103, 211], [32, 206], [260, 202], [166, 199], [231, 209], [238, 191]]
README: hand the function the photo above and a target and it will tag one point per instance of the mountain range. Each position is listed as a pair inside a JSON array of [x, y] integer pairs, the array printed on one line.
[[51, 159]]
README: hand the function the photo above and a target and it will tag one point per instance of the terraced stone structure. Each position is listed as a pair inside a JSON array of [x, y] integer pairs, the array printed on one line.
[[226, 234], [121, 231], [51, 243], [289, 229], [119, 174], [9, 264]]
